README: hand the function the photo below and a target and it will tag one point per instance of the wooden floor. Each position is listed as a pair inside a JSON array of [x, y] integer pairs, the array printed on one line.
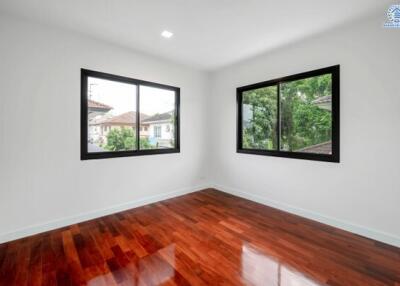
[[204, 238]]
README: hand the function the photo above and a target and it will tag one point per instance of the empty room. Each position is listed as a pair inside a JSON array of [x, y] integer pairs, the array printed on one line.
[[200, 142]]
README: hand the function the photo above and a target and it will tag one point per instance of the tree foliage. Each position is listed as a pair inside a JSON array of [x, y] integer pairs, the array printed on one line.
[[302, 123], [124, 139], [260, 128]]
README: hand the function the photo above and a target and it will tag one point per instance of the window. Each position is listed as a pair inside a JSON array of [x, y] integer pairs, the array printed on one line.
[[295, 116], [259, 118], [157, 105], [116, 113], [157, 131]]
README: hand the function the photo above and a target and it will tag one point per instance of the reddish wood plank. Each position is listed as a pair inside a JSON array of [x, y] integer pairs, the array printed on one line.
[[204, 238]]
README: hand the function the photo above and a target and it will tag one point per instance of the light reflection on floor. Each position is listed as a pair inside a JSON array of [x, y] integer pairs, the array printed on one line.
[[155, 269], [259, 269]]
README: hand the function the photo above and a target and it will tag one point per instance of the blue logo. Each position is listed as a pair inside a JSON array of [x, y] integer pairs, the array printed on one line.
[[393, 15]]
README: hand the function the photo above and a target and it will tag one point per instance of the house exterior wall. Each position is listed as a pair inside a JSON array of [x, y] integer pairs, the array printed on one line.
[[165, 134], [166, 137], [144, 131], [94, 133]]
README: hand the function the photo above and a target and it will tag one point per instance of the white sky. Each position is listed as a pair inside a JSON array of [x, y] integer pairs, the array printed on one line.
[[122, 97]]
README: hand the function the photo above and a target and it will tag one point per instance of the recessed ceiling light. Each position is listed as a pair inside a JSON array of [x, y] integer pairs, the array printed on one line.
[[167, 34]]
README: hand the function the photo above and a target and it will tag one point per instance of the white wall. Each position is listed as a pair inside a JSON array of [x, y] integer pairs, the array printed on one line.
[[362, 193], [43, 183]]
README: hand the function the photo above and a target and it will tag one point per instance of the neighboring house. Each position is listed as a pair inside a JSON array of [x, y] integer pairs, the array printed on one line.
[[157, 128], [96, 108], [124, 120], [324, 102], [322, 148], [161, 129], [96, 112]]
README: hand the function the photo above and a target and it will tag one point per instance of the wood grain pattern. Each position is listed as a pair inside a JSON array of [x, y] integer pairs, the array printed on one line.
[[204, 238]]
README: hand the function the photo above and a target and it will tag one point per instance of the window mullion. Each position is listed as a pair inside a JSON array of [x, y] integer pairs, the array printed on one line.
[[137, 117], [278, 121]]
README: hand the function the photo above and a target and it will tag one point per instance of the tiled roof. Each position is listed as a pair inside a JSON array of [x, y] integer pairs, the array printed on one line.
[[98, 105], [323, 99], [159, 117], [125, 118], [322, 148]]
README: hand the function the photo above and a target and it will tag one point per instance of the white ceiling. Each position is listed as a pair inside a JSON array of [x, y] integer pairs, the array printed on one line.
[[208, 34]]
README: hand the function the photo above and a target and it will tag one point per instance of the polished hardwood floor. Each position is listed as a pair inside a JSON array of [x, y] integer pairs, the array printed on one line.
[[204, 238]]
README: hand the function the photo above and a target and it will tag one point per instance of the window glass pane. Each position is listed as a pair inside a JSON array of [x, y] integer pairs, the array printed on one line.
[[157, 118], [306, 115], [111, 116], [259, 118]]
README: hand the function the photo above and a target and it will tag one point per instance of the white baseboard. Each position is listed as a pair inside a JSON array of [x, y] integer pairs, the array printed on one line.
[[50, 225], [360, 230]]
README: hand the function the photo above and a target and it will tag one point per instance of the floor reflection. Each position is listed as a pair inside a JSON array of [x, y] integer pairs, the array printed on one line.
[[260, 269], [154, 269]]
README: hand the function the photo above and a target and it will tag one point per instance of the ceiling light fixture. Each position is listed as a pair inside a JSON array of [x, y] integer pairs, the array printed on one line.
[[167, 34]]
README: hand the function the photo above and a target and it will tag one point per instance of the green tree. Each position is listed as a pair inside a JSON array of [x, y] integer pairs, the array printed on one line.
[[145, 144], [259, 130], [302, 122], [124, 139]]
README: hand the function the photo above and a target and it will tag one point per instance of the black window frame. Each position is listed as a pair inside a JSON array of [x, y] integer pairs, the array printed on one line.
[[85, 155], [335, 156]]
